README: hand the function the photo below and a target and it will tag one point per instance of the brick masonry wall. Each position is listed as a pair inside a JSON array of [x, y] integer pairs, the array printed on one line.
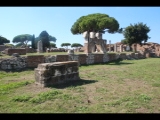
[[61, 58], [98, 58], [123, 56], [112, 57], [132, 55], [33, 61], [82, 59], [21, 51]]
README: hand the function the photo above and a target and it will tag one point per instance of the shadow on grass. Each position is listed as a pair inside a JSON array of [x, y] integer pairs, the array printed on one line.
[[73, 83], [119, 63]]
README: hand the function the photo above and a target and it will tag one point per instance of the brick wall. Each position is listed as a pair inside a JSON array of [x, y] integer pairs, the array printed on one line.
[[21, 51], [61, 58], [33, 61], [98, 58], [112, 57], [123, 55], [82, 59]]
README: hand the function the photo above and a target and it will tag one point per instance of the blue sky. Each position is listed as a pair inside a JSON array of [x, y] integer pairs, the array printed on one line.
[[57, 21]]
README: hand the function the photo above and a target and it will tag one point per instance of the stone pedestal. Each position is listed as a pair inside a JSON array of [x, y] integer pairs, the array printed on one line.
[[48, 74]]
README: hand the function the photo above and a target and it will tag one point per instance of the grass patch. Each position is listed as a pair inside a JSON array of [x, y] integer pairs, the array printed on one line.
[[156, 84], [129, 86], [4, 89], [21, 98], [144, 98], [42, 97]]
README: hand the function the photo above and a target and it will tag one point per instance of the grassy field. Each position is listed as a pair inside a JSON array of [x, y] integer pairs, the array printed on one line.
[[131, 86]]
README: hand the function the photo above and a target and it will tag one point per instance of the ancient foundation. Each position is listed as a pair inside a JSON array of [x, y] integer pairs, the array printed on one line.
[[48, 74]]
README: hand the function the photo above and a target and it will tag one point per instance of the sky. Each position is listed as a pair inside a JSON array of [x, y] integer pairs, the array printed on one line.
[[57, 21]]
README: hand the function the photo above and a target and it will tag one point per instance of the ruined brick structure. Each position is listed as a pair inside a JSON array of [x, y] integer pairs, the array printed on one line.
[[95, 45], [48, 74]]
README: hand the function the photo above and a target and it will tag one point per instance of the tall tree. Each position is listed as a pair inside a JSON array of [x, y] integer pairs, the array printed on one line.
[[52, 39], [76, 45], [53, 45], [18, 45], [124, 41], [65, 45], [9, 45], [96, 22], [136, 33], [23, 38], [33, 42], [3, 40], [44, 36]]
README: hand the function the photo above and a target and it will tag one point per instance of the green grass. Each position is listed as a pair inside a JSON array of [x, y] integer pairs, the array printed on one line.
[[130, 86]]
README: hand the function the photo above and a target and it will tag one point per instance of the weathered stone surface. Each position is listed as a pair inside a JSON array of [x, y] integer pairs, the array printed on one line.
[[50, 59], [90, 59], [13, 63], [61, 58], [47, 74], [112, 57], [15, 54], [33, 61], [82, 59], [98, 58], [123, 56], [105, 58]]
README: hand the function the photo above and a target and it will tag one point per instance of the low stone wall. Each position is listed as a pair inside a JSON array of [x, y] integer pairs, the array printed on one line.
[[98, 58], [61, 58], [33, 61], [82, 59], [112, 57], [123, 56], [21, 51], [47, 74], [14, 63]]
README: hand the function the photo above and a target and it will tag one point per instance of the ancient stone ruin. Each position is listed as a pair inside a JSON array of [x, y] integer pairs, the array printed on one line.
[[47, 74], [40, 47], [94, 42]]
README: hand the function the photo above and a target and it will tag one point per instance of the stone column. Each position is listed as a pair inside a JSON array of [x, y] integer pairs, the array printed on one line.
[[121, 48], [88, 47], [109, 45], [115, 47], [40, 46], [127, 48]]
